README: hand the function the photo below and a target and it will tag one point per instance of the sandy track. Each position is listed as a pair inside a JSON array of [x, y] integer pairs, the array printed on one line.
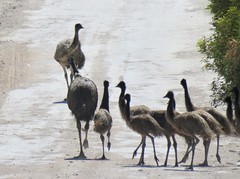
[[38, 135]]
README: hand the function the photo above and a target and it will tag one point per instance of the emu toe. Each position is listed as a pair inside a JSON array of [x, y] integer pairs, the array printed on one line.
[[141, 163], [204, 164], [190, 168], [103, 158], [81, 156]]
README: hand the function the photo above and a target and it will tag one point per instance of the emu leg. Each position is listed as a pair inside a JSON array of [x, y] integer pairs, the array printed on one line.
[[65, 74], [217, 155], [185, 157], [206, 144], [109, 143], [193, 151], [103, 156], [81, 154], [168, 149], [189, 142], [154, 150], [71, 77], [175, 149], [85, 142], [141, 161], [135, 151]]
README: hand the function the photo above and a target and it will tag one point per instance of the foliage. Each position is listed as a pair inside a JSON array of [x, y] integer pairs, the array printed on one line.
[[222, 49]]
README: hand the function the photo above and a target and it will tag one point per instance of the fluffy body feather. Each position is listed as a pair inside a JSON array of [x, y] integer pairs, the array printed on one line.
[[103, 118], [70, 48], [145, 125], [190, 124], [82, 100]]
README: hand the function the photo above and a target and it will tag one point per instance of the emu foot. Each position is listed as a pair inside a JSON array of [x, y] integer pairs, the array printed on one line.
[[218, 158], [81, 156], [184, 159], [103, 158], [156, 160], [190, 168], [134, 154], [85, 144], [204, 164], [108, 145], [141, 163]]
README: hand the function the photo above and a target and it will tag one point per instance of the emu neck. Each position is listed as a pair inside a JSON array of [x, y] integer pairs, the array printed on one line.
[[123, 89], [121, 101], [171, 108], [229, 112], [188, 101], [237, 108], [75, 41], [127, 110], [105, 99]]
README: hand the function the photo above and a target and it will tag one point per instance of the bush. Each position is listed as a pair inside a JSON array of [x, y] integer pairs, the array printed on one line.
[[222, 49]]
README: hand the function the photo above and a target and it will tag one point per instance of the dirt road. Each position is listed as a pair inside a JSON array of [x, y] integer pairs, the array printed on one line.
[[149, 44]]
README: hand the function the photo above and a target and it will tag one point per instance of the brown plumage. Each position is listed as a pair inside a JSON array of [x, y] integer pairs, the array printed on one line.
[[82, 100], [189, 123], [143, 124], [222, 120], [70, 48], [103, 119], [135, 110], [158, 115], [216, 128], [226, 126]]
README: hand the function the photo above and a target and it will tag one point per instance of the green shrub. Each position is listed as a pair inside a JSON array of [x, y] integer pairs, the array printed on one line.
[[222, 49]]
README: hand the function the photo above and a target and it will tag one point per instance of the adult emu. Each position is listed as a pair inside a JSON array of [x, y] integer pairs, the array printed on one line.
[[82, 100], [70, 48]]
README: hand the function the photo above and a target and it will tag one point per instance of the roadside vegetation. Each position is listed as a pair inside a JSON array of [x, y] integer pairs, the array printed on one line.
[[221, 49]]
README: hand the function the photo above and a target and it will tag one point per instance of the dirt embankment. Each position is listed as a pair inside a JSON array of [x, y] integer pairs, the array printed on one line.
[[13, 56]]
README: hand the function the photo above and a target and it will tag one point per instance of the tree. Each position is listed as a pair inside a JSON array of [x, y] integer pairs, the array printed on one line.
[[222, 49]]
